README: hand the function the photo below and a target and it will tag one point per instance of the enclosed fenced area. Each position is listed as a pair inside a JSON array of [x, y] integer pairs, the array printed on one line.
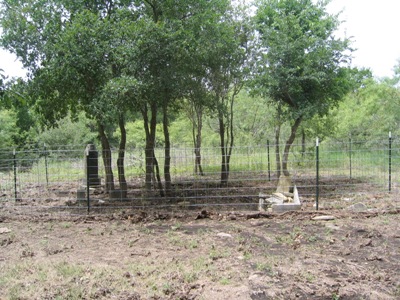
[[327, 175]]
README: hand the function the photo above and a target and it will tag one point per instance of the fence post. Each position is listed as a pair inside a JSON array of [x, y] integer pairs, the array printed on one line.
[[390, 161], [15, 175], [350, 150], [45, 164], [269, 162], [87, 179], [317, 175]]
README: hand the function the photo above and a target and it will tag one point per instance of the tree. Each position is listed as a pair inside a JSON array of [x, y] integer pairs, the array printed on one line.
[[377, 104], [194, 109], [168, 61], [67, 47], [2, 83], [14, 97], [302, 66], [224, 47]]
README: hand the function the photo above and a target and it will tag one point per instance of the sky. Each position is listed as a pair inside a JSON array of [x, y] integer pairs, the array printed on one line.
[[373, 26]]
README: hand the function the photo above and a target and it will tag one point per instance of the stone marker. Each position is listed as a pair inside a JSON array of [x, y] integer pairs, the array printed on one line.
[[293, 205], [284, 184], [81, 195], [92, 165], [280, 202]]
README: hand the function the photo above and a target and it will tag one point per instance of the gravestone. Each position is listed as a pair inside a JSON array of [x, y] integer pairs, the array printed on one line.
[[92, 165], [284, 184]]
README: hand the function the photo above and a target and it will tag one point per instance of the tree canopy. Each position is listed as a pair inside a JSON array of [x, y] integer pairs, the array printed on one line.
[[302, 66]]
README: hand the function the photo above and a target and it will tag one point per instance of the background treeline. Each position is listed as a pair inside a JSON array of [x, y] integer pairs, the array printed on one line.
[[365, 115], [154, 73]]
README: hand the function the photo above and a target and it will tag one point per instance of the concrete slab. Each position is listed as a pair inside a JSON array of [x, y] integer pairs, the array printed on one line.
[[280, 208], [284, 207]]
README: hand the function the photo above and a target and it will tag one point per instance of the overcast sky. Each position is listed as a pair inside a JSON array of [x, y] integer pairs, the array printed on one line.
[[374, 26]]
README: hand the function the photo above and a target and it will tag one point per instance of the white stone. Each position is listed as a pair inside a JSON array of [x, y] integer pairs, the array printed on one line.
[[4, 230], [224, 235], [323, 218]]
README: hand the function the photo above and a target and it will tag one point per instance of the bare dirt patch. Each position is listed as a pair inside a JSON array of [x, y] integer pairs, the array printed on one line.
[[201, 255]]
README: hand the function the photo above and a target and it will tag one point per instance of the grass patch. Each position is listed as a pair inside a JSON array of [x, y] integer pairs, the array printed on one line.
[[63, 280]]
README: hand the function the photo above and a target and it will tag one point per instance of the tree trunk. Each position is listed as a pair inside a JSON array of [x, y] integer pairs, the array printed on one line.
[[157, 175], [148, 150], [277, 141], [167, 152], [197, 151], [226, 136], [107, 159], [224, 169], [151, 162], [277, 150], [230, 137], [289, 143], [196, 132], [121, 158]]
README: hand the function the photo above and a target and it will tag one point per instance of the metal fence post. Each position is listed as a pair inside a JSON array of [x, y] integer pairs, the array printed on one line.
[[269, 162], [15, 175], [317, 174], [45, 164], [350, 150], [390, 161]]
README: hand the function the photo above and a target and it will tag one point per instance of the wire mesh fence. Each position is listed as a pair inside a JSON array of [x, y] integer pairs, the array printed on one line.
[[332, 173]]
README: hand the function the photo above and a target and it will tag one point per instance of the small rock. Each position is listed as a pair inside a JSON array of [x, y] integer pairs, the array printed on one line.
[[258, 294], [4, 230], [69, 202], [255, 277], [224, 235], [323, 218], [203, 214], [320, 205], [358, 207]]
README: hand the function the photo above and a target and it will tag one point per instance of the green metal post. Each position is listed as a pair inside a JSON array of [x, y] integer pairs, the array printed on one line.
[[15, 175], [269, 162], [46, 165], [390, 161], [317, 175], [350, 150]]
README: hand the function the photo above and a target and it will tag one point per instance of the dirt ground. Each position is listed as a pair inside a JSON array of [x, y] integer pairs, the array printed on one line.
[[201, 255]]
